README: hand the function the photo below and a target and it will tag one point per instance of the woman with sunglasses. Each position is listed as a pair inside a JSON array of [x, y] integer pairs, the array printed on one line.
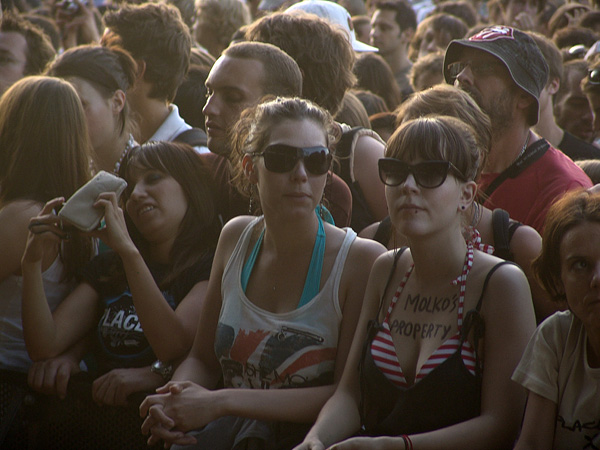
[[283, 300], [443, 324]]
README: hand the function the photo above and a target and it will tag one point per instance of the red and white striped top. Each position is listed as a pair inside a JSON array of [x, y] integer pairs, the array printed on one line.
[[383, 350]]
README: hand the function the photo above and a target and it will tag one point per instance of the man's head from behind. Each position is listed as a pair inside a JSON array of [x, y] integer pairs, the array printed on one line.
[[158, 40], [24, 48], [499, 66], [322, 52], [245, 73]]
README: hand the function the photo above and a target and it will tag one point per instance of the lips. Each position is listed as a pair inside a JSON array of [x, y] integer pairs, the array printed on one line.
[[213, 128], [144, 209]]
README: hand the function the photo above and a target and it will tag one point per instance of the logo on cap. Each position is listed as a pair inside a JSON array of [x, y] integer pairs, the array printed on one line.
[[492, 33]]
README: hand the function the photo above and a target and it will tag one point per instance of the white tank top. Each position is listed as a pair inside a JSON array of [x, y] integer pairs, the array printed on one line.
[[264, 350]]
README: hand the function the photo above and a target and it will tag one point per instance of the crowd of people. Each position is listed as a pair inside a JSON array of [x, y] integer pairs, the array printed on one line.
[[360, 224]]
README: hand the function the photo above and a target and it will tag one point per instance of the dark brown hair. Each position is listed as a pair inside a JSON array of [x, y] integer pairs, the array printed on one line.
[[574, 208]]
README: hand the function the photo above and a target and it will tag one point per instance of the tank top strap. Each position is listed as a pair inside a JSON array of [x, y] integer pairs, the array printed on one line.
[[315, 268]]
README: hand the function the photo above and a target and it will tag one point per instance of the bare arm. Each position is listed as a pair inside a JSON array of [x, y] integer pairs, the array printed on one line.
[[538, 425], [366, 156], [526, 245]]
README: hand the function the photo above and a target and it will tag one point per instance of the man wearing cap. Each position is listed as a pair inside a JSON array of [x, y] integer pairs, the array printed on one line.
[[392, 28], [504, 71]]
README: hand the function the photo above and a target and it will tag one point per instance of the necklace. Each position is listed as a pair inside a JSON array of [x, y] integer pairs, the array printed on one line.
[[524, 146], [128, 146]]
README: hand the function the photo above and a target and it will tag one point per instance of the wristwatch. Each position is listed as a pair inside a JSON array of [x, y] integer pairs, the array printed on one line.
[[162, 369]]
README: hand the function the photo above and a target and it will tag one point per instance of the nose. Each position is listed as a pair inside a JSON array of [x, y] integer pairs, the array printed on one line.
[[596, 121], [596, 276], [210, 108], [465, 77], [138, 192], [300, 172], [410, 183]]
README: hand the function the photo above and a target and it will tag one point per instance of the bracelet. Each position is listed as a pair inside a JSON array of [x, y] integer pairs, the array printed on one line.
[[407, 442]]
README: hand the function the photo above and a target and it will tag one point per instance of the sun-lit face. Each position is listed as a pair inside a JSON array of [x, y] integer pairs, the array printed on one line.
[[298, 191], [233, 85], [580, 272], [386, 34], [157, 204]]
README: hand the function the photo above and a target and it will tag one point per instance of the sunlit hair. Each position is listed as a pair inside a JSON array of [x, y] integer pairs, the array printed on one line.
[[353, 112], [374, 74], [573, 209], [252, 132], [107, 70], [441, 23], [155, 34], [45, 150], [436, 138], [322, 52], [199, 230], [221, 19], [447, 100]]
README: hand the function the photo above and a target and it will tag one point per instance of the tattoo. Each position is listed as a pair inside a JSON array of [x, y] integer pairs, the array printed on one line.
[[422, 330], [431, 304]]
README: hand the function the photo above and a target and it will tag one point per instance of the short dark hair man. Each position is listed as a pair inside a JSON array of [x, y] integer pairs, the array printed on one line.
[[160, 42], [504, 71], [392, 27], [24, 48]]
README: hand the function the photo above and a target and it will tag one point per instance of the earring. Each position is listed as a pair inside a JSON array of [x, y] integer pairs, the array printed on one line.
[[251, 205], [463, 207]]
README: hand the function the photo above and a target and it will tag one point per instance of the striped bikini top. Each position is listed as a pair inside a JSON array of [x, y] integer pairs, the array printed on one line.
[[383, 350]]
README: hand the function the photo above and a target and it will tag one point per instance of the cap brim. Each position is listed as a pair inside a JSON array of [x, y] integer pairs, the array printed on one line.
[[359, 46]]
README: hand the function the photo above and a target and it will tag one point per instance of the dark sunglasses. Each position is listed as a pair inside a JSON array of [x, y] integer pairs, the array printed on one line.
[[427, 174], [594, 76], [479, 68], [282, 158]]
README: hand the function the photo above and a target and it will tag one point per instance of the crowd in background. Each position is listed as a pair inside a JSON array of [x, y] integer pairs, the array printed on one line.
[[361, 224]]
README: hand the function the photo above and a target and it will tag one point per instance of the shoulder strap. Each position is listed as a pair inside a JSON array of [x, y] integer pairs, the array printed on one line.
[[384, 231], [196, 137], [534, 152], [512, 227], [500, 225], [487, 280], [397, 256], [344, 145]]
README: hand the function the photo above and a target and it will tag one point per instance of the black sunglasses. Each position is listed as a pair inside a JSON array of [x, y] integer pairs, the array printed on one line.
[[594, 76], [427, 174], [479, 68], [282, 158]]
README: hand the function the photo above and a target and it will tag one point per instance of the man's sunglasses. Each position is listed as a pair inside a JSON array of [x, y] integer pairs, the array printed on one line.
[[427, 174], [282, 158], [479, 68]]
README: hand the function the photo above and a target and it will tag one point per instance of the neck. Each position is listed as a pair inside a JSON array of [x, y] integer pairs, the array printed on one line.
[[286, 237], [433, 265], [151, 113], [397, 60], [548, 129], [507, 147], [160, 252], [110, 153]]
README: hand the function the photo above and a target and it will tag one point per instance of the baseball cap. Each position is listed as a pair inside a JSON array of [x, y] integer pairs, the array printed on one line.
[[517, 51], [336, 15]]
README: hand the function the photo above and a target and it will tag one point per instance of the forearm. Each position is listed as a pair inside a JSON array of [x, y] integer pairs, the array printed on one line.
[[301, 405], [162, 327], [194, 370], [39, 329], [328, 428]]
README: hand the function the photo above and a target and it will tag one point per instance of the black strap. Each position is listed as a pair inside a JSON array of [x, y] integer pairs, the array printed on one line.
[[500, 222], [534, 152], [344, 145], [487, 279], [384, 232], [196, 137]]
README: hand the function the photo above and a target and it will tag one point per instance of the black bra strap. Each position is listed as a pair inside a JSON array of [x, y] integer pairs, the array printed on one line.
[[389, 280], [487, 280]]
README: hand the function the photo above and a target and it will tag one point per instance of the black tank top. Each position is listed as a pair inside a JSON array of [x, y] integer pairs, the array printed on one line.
[[447, 395]]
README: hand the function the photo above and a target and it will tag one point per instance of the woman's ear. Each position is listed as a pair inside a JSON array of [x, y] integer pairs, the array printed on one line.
[[118, 102], [467, 195], [249, 169]]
